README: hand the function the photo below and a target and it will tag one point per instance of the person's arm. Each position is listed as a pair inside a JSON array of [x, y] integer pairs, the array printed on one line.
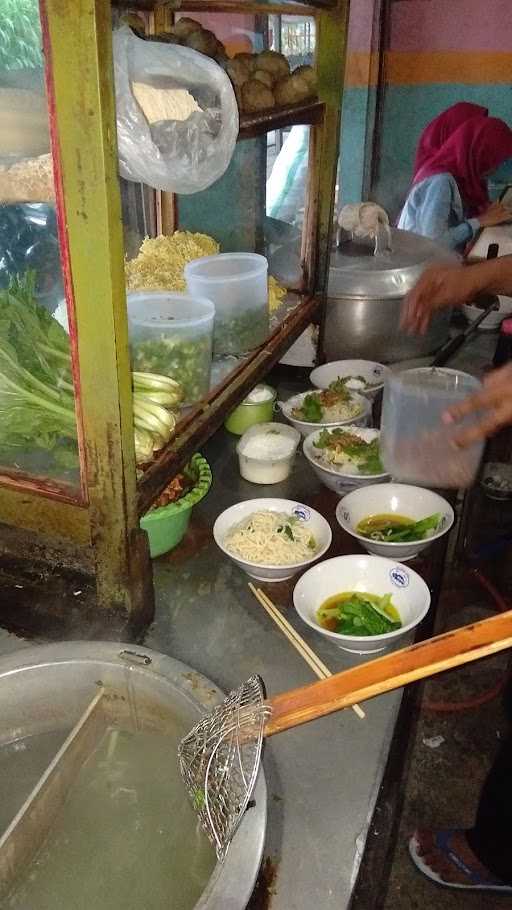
[[438, 209], [444, 286], [494, 402]]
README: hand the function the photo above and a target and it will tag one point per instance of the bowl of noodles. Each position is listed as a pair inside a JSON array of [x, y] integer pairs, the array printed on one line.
[[316, 409], [272, 539]]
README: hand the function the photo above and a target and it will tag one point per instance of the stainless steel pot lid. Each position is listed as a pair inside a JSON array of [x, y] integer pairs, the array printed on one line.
[[355, 271]]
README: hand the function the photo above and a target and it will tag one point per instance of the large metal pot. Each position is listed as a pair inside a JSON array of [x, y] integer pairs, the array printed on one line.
[[365, 296], [44, 690]]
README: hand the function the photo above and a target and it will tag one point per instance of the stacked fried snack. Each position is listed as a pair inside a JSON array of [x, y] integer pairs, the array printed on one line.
[[264, 81], [261, 81]]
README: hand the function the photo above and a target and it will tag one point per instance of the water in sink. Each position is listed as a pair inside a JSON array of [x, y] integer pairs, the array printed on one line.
[[126, 839]]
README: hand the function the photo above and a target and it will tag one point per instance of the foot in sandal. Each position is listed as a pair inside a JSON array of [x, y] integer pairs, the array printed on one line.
[[446, 858]]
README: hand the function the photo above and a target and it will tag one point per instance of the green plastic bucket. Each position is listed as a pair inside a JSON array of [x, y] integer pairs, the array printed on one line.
[[167, 526]]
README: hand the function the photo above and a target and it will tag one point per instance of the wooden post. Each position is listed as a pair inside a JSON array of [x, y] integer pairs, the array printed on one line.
[[78, 47]]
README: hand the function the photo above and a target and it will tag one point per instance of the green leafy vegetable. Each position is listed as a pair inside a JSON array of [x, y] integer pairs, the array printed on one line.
[[36, 391], [398, 531], [311, 409], [359, 614], [365, 455]]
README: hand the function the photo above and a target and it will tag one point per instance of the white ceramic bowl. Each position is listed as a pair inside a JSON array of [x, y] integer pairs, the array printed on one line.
[[316, 523], [372, 372], [371, 574], [494, 319], [360, 420], [334, 479], [398, 499]]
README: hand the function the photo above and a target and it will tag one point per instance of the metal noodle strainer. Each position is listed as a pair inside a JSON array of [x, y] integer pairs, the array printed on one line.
[[220, 757]]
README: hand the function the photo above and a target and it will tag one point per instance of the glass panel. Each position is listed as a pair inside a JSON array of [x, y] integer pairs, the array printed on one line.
[[38, 433]]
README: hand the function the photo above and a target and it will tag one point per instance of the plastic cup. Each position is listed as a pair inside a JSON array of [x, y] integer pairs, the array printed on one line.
[[416, 445], [171, 334], [237, 285]]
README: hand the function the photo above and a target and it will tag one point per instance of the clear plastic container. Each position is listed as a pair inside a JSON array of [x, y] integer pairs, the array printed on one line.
[[172, 334], [266, 453], [237, 284], [416, 445]]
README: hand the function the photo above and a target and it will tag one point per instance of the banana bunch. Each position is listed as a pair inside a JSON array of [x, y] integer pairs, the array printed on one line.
[[156, 400]]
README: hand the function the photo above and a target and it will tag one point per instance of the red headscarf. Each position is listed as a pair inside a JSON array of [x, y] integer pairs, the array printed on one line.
[[441, 128], [470, 154]]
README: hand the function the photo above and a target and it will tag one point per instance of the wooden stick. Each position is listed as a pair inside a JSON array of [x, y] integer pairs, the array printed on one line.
[[444, 652], [312, 659], [28, 829]]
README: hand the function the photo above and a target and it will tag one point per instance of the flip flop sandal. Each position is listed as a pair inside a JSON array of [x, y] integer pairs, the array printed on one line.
[[476, 882]]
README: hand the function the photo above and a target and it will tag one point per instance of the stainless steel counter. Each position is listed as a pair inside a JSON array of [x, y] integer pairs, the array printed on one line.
[[323, 778]]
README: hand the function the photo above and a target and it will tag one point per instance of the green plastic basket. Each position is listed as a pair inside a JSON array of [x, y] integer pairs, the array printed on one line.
[[166, 527]]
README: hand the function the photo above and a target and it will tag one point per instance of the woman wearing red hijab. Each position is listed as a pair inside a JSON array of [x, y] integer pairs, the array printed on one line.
[[449, 200], [442, 127]]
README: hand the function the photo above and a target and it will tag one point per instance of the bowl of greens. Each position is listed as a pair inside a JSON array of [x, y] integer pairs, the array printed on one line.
[[363, 604], [365, 377], [395, 519], [316, 409], [345, 457]]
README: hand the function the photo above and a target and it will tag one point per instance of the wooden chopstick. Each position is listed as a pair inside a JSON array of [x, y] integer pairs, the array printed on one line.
[[312, 659]]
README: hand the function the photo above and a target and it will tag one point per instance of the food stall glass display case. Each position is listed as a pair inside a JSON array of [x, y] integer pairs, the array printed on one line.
[[71, 236]]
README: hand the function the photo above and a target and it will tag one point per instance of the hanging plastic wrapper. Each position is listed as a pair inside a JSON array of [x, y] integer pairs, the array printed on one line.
[[177, 116]]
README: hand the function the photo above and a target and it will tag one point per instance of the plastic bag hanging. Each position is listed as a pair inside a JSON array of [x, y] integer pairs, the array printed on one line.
[[177, 116]]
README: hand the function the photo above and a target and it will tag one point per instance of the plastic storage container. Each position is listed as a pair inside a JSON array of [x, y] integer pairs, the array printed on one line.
[[237, 284], [258, 407], [416, 445], [172, 334], [266, 453]]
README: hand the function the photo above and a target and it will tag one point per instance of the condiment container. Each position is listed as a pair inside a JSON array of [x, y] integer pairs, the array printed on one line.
[[237, 284], [266, 453], [258, 407], [417, 446], [172, 334]]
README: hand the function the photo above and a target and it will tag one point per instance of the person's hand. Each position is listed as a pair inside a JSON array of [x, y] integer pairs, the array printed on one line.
[[494, 400], [440, 286], [497, 213]]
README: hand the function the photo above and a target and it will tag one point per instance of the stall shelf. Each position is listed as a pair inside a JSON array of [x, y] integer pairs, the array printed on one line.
[[95, 511]]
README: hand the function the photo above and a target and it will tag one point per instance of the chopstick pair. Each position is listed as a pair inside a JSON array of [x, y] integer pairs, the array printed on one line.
[[295, 639]]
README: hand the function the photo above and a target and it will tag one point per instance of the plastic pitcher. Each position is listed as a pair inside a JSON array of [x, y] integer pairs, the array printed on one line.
[[416, 445]]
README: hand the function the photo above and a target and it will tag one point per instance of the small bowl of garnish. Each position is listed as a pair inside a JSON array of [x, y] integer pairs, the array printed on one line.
[[395, 519], [362, 376], [312, 410], [272, 539], [363, 604], [345, 458]]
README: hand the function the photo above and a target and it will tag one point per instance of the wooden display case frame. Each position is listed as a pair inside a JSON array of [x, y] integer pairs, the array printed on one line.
[[102, 521]]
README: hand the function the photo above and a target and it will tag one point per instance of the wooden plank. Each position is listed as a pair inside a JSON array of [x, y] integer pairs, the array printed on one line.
[[28, 830], [304, 113], [198, 426], [81, 93], [436, 655], [288, 7], [26, 506]]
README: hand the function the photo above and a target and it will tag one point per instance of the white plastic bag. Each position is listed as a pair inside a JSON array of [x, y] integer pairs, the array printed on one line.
[[177, 156]]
